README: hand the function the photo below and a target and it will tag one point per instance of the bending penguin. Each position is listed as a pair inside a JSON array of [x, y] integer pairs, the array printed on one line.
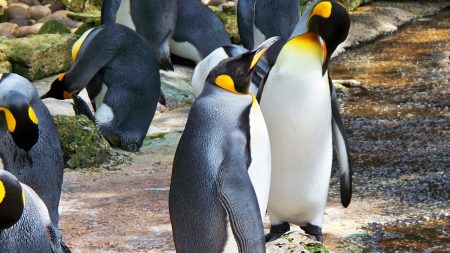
[[221, 171], [121, 76], [205, 66], [152, 19], [198, 32], [300, 107], [30, 144], [262, 19], [25, 224]]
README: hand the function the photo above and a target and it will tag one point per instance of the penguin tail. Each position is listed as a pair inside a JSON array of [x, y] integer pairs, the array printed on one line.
[[64, 247], [165, 62]]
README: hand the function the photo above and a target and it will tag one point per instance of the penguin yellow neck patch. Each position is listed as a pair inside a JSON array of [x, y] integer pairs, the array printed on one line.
[[2, 192], [32, 115], [307, 42], [10, 120], [23, 197], [225, 82], [76, 47]]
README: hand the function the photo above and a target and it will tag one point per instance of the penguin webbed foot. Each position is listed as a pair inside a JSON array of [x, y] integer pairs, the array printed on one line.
[[162, 99], [81, 108], [131, 146], [276, 231], [166, 64], [313, 230]]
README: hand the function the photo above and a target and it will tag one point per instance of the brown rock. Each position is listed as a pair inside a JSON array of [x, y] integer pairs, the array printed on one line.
[[55, 5], [61, 16], [16, 12], [29, 30], [25, 6], [38, 12], [22, 21], [9, 30], [27, 2]]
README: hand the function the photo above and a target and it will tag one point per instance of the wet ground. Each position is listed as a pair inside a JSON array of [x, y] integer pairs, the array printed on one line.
[[398, 126]]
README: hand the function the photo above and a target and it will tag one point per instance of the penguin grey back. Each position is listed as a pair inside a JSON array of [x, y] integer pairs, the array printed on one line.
[[200, 27], [42, 166]]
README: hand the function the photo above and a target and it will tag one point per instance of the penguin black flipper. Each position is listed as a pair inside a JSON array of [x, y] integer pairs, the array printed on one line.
[[109, 11], [245, 12], [81, 108], [262, 83], [238, 197], [64, 247], [342, 148]]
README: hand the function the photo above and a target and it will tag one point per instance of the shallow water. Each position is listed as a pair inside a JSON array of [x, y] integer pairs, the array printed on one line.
[[398, 127]]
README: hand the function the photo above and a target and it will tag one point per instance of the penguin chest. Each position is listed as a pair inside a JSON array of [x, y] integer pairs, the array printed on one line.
[[123, 15], [260, 166], [98, 99], [186, 50]]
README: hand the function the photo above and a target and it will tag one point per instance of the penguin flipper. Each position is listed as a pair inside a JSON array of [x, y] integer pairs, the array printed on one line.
[[109, 11], [64, 247], [238, 197], [342, 148], [81, 108], [245, 15]]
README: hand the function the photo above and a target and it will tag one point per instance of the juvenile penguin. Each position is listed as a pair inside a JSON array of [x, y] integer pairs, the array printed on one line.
[[300, 107], [152, 19], [262, 19], [203, 68], [121, 75], [25, 224], [218, 194], [198, 32], [30, 143]]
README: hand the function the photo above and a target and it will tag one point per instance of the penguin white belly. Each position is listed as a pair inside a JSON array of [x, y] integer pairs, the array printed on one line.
[[185, 50], [260, 166], [98, 100], [297, 110], [123, 15]]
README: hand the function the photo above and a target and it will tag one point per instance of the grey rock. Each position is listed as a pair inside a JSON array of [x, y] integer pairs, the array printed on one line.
[[22, 22], [38, 12], [17, 11]]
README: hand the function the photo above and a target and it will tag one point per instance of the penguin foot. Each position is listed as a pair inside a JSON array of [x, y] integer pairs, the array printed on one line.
[[276, 231], [131, 146], [166, 64], [81, 108], [313, 230]]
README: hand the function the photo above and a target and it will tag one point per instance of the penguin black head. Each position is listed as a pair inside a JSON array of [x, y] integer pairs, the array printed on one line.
[[58, 89], [21, 120], [330, 20], [12, 200], [234, 74]]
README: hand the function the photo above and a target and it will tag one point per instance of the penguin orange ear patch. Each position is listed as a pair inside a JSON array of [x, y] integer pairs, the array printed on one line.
[[226, 82], [2, 192], [323, 9], [10, 120], [32, 115]]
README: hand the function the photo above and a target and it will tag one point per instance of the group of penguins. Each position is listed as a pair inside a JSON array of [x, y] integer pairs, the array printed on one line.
[[259, 136]]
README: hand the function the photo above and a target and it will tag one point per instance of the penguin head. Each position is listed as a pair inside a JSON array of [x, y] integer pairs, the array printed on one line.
[[58, 89], [20, 118], [234, 74], [330, 20], [12, 200]]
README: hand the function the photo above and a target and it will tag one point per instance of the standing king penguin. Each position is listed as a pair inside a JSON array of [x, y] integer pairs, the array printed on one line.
[[262, 19], [30, 147], [221, 171], [154, 20], [121, 76], [300, 107], [198, 32], [25, 224]]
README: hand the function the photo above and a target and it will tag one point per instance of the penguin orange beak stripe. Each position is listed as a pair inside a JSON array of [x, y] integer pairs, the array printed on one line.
[[259, 52]]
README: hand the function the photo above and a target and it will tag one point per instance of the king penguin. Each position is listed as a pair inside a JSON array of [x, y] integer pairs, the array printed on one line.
[[30, 143], [218, 194], [25, 224], [121, 76], [153, 19], [203, 68], [198, 32], [262, 19], [300, 107]]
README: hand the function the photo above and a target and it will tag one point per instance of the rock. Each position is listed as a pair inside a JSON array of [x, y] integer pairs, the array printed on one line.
[[39, 56], [5, 65], [25, 6], [61, 16], [97, 4], [53, 26], [3, 3], [29, 30], [295, 241], [27, 2], [38, 12], [22, 22], [55, 5], [214, 2], [9, 30], [83, 16], [74, 5], [88, 24], [17, 12], [82, 144], [3, 14]]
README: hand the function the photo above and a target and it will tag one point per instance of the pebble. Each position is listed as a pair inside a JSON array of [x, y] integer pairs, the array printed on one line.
[[9, 30], [38, 12]]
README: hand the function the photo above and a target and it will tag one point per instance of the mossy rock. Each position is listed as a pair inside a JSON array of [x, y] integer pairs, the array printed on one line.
[[74, 5], [83, 16], [90, 23], [3, 15], [5, 65], [52, 27], [316, 248], [229, 20], [40, 56], [82, 143]]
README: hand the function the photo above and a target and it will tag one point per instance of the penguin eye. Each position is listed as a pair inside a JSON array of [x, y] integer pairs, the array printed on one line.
[[225, 82]]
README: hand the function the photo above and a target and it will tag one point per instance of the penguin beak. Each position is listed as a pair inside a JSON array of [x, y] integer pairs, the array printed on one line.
[[57, 89], [261, 50]]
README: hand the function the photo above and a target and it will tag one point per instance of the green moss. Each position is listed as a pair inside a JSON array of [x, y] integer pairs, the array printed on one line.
[[316, 248], [229, 20], [83, 16], [82, 144], [52, 27], [88, 24], [3, 15]]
